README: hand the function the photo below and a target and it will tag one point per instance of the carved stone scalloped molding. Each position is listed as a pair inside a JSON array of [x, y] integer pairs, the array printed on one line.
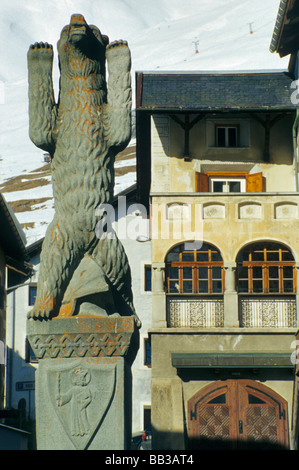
[[80, 337]]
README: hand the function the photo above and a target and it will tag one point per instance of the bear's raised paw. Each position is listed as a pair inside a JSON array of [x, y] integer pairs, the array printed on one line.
[[41, 51], [118, 53]]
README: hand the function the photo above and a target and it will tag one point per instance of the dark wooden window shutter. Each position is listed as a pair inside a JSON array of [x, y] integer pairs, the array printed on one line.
[[201, 183]]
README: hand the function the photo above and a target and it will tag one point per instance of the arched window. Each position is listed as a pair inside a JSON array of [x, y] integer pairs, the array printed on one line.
[[266, 268], [194, 271]]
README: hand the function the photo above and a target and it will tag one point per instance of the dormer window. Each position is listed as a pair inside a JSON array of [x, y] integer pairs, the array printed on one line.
[[227, 136]]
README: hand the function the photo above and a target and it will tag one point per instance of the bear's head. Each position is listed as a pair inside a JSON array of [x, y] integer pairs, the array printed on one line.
[[81, 48]]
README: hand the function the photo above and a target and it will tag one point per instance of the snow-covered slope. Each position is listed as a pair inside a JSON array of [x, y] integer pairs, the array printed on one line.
[[162, 35]]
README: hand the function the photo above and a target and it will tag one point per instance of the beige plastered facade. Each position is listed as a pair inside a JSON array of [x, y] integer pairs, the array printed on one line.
[[229, 222]]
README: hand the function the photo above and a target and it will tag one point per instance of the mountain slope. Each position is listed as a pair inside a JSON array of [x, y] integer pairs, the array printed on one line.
[[162, 35]]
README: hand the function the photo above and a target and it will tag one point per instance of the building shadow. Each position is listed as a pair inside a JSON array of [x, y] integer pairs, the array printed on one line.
[[167, 441], [231, 445], [19, 412]]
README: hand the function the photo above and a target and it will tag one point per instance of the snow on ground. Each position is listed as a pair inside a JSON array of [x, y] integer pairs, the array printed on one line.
[[162, 35]]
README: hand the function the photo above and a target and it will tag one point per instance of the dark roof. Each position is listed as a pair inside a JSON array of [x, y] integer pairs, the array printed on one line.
[[129, 193], [214, 91], [286, 30], [12, 239], [35, 248]]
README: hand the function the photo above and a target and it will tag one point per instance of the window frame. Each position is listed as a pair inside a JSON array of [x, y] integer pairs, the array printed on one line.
[[147, 352], [147, 281], [30, 287], [266, 264], [227, 180], [195, 265], [254, 182], [227, 127], [30, 356]]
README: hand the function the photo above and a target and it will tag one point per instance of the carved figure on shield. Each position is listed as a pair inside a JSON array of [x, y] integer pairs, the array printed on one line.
[[80, 397]]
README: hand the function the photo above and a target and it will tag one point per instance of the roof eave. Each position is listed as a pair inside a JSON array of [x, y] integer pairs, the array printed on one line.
[[280, 19], [215, 109], [13, 237]]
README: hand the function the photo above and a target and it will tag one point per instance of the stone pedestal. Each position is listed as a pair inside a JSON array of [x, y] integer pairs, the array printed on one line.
[[83, 382]]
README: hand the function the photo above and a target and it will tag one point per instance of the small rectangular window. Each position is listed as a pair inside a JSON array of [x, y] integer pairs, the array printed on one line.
[[147, 278], [227, 136], [32, 294], [147, 418], [227, 184], [147, 352], [30, 357]]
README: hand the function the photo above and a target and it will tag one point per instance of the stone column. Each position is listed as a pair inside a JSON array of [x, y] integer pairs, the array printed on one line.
[[231, 307], [83, 387], [158, 296]]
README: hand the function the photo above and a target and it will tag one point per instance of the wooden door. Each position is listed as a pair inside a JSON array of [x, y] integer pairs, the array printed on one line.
[[237, 414]]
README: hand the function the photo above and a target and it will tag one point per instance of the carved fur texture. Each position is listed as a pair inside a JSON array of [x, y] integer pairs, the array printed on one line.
[[83, 132]]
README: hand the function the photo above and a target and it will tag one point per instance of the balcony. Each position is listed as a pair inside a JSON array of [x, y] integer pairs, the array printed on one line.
[[185, 311], [269, 312], [194, 312]]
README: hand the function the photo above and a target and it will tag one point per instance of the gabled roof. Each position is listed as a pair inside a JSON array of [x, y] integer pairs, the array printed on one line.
[[286, 30], [210, 91], [12, 238]]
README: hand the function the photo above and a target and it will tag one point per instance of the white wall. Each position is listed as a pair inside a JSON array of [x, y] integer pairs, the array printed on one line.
[[17, 309], [139, 255]]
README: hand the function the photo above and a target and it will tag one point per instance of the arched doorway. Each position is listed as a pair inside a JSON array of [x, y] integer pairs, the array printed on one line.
[[237, 414]]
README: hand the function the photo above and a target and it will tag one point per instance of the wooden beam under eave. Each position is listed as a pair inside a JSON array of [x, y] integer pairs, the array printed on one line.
[[139, 85], [267, 124], [187, 126]]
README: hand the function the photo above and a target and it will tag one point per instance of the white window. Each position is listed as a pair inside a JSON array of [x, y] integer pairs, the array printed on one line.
[[227, 185], [228, 133]]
